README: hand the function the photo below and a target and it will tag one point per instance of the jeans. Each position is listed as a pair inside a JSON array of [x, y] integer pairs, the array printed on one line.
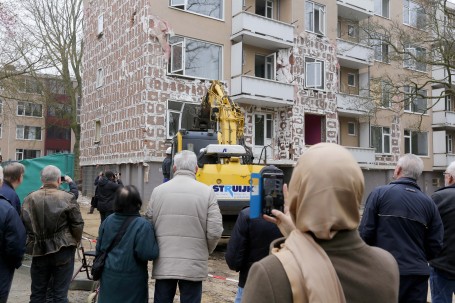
[[238, 297], [190, 291], [442, 288], [51, 276]]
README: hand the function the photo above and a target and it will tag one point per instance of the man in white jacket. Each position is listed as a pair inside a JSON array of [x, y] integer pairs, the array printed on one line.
[[188, 226]]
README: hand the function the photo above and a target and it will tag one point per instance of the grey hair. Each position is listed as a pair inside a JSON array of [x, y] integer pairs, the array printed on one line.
[[50, 173], [185, 160], [1, 175], [14, 171], [411, 166], [451, 169]]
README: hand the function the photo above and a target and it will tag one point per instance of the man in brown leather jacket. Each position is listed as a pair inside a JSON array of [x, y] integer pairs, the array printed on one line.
[[54, 227]]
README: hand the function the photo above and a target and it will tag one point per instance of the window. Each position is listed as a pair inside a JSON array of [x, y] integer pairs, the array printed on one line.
[[415, 58], [59, 110], [28, 132], [449, 143], [380, 139], [29, 109], [413, 14], [314, 17], [416, 143], [381, 8], [314, 73], [97, 131], [449, 103], [351, 129], [57, 132], [264, 66], [30, 86], [381, 49], [195, 58], [351, 79], [352, 31], [386, 94], [415, 102], [180, 115], [100, 27], [99, 78], [56, 151], [211, 8], [263, 129], [22, 154]]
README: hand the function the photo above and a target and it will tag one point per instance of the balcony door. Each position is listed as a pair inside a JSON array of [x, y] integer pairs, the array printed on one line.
[[265, 8], [263, 130], [264, 66]]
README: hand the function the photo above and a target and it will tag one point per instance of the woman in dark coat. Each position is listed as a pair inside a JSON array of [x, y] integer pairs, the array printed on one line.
[[125, 275]]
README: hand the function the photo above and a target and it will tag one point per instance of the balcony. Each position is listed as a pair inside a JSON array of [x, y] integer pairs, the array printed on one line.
[[263, 92], [353, 105], [262, 32], [355, 9], [442, 160], [443, 120], [362, 155], [354, 55]]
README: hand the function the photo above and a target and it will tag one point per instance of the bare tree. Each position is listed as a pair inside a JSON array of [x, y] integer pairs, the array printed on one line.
[[53, 29], [419, 55]]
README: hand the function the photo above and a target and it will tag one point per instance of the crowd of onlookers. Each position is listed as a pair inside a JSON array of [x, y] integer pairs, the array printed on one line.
[[319, 249]]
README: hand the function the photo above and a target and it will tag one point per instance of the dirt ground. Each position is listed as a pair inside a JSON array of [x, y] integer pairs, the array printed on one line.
[[214, 290]]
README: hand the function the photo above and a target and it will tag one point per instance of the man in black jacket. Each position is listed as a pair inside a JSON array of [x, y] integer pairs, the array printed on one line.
[[250, 241], [401, 219], [107, 187], [442, 276]]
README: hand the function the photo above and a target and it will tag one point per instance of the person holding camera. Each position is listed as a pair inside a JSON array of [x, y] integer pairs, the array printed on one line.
[[107, 187], [323, 258], [54, 226]]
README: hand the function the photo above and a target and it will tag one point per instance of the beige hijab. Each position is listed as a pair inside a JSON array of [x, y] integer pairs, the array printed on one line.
[[325, 192]]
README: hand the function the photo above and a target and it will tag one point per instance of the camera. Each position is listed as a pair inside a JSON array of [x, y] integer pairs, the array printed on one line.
[[267, 191], [62, 178]]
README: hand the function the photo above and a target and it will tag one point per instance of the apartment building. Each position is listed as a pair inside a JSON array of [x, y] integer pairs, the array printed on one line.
[[34, 118], [301, 71]]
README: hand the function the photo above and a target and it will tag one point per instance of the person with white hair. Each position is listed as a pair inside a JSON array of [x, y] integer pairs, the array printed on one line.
[[442, 276], [401, 219], [54, 227], [12, 245], [188, 226]]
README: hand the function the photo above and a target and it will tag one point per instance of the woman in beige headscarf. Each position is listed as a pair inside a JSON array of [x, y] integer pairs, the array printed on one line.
[[323, 258]]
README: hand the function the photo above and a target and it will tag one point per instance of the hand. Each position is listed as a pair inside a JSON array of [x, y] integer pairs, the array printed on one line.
[[68, 179], [282, 220]]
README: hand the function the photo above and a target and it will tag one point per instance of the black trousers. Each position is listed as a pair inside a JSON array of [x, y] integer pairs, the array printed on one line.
[[190, 291], [413, 289]]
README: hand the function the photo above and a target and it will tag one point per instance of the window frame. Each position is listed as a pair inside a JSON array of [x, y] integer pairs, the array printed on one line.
[[381, 13], [99, 81], [411, 100], [449, 143], [185, 107], [183, 6], [37, 130], [100, 26], [381, 49], [321, 10], [318, 70], [267, 127], [409, 138], [352, 76], [384, 136], [23, 105], [411, 53], [386, 100], [354, 127], [183, 46], [409, 14]]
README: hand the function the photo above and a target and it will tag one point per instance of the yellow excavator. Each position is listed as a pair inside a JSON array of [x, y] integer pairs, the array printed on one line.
[[225, 162]]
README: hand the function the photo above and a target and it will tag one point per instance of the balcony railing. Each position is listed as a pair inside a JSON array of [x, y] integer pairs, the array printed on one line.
[[260, 31], [355, 9], [444, 118], [362, 154], [354, 55], [259, 91], [354, 105], [443, 160]]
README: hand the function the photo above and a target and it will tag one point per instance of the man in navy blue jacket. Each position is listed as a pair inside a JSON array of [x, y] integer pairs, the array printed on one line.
[[250, 241], [442, 277], [12, 244], [401, 219], [13, 177]]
